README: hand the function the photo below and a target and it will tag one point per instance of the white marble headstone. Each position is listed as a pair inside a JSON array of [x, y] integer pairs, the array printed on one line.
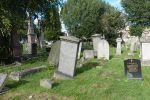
[[103, 50]]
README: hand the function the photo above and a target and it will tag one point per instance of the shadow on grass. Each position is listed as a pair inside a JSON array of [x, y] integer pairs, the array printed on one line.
[[111, 56], [86, 67], [14, 84]]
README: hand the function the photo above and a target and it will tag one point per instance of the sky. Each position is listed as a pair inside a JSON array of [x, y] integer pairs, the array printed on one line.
[[115, 3]]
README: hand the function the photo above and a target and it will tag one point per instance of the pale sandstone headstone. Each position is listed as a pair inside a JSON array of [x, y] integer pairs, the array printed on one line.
[[118, 49], [145, 52], [96, 38], [103, 50], [88, 54], [68, 56]]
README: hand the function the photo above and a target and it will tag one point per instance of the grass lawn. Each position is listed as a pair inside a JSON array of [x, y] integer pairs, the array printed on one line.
[[95, 80]]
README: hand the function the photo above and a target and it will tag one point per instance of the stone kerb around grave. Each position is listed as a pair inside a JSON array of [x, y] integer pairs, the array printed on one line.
[[68, 57], [145, 51]]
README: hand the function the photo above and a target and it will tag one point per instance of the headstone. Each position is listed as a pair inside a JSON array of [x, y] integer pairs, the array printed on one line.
[[96, 38], [54, 53], [103, 50], [68, 56], [88, 54], [133, 69], [118, 49], [3, 78], [79, 50], [46, 83], [145, 52]]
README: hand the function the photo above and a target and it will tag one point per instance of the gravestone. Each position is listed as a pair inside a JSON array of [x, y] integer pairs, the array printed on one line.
[[103, 50], [96, 38], [3, 78], [145, 51], [54, 53], [79, 50], [88, 54], [46, 83], [133, 69], [68, 57], [118, 49]]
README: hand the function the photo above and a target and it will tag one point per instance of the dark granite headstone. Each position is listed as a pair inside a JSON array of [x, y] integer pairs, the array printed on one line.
[[34, 49], [133, 69]]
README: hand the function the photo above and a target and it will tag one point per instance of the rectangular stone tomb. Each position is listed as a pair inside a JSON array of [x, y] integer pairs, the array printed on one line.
[[133, 69], [3, 78]]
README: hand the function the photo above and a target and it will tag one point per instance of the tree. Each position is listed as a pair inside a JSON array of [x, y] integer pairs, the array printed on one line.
[[138, 12], [82, 20], [92, 17], [13, 16]]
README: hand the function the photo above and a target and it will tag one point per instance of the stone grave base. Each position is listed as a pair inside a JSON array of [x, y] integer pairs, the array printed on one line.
[[59, 75], [4, 90], [145, 63], [135, 78]]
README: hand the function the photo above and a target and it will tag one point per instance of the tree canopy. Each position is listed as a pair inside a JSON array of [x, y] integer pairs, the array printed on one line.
[[138, 12], [84, 18]]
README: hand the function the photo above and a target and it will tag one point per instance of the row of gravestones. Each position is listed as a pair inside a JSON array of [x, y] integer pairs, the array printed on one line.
[[64, 53]]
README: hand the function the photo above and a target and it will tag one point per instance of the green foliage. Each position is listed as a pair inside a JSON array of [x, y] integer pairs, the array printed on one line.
[[82, 20], [136, 30], [92, 17], [138, 11]]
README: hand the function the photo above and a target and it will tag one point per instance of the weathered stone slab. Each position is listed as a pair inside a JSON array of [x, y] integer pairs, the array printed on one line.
[[79, 50], [20, 74], [96, 38], [3, 78], [68, 55], [118, 49], [145, 52], [46, 83], [103, 50], [88, 54], [54, 53]]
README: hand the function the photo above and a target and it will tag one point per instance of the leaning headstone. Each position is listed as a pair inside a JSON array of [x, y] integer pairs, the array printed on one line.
[[118, 49], [88, 54], [79, 50], [96, 38], [68, 57], [3, 78], [46, 83], [145, 52], [54, 54], [133, 69], [103, 50]]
